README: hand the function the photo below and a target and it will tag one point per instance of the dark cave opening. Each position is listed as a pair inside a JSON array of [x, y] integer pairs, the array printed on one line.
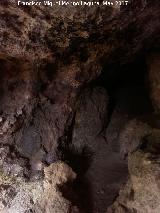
[[101, 172], [80, 107], [94, 190], [128, 93], [128, 84]]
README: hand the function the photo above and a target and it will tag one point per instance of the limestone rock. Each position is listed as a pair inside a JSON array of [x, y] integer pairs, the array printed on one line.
[[90, 118], [19, 196], [141, 194], [48, 56], [100, 171], [52, 199], [132, 135]]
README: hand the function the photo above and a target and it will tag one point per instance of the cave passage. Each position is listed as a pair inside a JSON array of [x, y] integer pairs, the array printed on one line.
[[80, 108], [91, 143], [103, 171], [128, 85]]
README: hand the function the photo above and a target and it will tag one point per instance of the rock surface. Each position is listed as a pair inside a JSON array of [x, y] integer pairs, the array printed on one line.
[[54, 53], [141, 193], [103, 171], [154, 79], [21, 196], [48, 57]]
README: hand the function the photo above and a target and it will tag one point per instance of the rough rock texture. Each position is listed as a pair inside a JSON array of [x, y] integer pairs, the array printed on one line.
[[130, 102], [131, 136], [19, 195], [52, 200], [48, 56], [55, 52], [43, 32], [103, 171], [90, 118], [141, 193]]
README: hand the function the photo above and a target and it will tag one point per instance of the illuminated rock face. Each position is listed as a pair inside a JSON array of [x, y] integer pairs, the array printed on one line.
[[66, 94], [38, 196], [141, 193]]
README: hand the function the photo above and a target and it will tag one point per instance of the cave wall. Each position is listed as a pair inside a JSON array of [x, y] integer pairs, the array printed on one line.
[[51, 99]]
